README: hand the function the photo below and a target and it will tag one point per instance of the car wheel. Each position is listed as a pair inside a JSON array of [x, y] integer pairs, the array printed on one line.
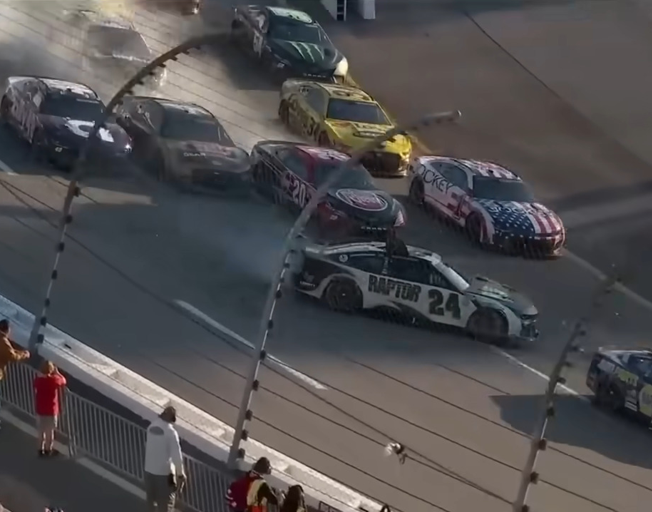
[[36, 147], [487, 325], [323, 140], [343, 295], [4, 110], [609, 398], [474, 229], [284, 112], [416, 194]]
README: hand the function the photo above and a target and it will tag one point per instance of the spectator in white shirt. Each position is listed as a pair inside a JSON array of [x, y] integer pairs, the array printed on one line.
[[164, 475]]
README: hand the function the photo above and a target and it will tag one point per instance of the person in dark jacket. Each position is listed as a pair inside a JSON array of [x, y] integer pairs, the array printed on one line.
[[294, 500], [394, 246]]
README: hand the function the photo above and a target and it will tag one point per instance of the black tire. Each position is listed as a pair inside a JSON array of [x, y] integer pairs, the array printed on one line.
[[474, 228], [609, 398], [323, 140], [4, 110], [488, 325], [416, 194], [36, 147], [284, 112], [343, 295]]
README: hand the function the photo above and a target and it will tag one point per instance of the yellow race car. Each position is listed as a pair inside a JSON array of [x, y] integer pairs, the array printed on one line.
[[344, 118]]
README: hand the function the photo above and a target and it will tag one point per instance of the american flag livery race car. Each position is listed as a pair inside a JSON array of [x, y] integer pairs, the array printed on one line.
[[493, 204]]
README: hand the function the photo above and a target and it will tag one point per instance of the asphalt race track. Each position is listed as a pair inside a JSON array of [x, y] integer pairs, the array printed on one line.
[[463, 409]]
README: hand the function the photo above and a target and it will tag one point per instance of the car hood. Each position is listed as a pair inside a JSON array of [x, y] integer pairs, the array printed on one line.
[[313, 55], [208, 155], [355, 134], [483, 287], [522, 218], [75, 131], [375, 206]]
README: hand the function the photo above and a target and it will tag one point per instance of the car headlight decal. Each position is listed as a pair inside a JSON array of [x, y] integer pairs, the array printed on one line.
[[342, 68]]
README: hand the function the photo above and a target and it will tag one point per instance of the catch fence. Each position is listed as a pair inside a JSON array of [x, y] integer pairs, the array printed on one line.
[[91, 431]]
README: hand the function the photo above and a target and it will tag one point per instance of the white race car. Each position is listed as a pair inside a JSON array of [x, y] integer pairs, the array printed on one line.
[[360, 276]]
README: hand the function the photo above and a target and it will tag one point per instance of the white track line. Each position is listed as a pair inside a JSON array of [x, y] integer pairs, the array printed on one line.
[[214, 325], [7, 169], [536, 372]]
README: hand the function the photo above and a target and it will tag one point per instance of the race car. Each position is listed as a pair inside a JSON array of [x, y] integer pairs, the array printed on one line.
[[621, 380], [55, 117], [183, 143], [361, 276], [354, 205], [113, 45], [491, 203], [288, 42], [344, 118]]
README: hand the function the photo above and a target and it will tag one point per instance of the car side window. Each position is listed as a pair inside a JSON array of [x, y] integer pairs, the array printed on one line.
[[372, 263], [437, 279], [316, 101], [409, 269], [455, 175], [641, 365], [293, 162]]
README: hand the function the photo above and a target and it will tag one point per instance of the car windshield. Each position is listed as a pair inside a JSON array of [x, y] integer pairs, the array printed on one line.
[[122, 43], [356, 178], [79, 109], [501, 190], [298, 32], [184, 126], [455, 277], [356, 111]]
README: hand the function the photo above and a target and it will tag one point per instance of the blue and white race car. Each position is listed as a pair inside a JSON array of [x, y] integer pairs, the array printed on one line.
[[493, 204]]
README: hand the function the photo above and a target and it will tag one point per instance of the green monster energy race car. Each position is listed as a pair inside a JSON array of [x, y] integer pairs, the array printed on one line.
[[288, 42]]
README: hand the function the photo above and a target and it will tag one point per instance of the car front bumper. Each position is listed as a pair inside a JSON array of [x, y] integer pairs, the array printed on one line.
[[531, 246]]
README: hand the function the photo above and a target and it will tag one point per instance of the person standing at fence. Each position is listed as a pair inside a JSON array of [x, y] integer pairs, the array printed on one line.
[[252, 493], [8, 352], [164, 474], [47, 387]]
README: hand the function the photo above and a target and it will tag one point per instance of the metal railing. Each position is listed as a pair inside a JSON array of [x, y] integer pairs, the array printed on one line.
[[89, 430]]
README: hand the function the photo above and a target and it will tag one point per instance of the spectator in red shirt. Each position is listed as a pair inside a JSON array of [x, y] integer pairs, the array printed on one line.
[[46, 398]]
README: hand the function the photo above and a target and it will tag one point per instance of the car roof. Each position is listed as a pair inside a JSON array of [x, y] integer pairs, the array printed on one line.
[[320, 153], [378, 247], [177, 106], [345, 92], [291, 15], [476, 167], [55, 85]]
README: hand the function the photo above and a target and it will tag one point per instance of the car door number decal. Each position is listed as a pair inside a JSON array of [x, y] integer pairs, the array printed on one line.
[[308, 125], [258, 43], [437, 306], [298, 191]]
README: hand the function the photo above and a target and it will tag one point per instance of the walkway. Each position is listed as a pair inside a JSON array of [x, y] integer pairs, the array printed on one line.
[[29, 484]]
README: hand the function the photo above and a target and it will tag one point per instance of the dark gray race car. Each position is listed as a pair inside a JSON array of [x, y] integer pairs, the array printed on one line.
[[183, 143]]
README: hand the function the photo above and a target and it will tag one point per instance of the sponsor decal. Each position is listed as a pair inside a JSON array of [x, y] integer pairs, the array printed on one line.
[[308, 51], [435, 179], [399, 289], [83, 129], [362, 199], [343, 258]]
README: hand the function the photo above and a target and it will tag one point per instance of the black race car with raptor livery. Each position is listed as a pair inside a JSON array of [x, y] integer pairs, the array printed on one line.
[[292, 172]]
